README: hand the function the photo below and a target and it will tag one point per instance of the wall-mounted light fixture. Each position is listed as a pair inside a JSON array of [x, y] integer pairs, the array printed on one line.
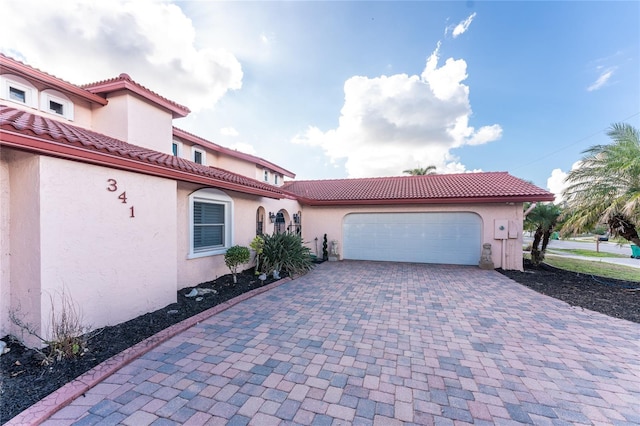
[[296, 218], [272, 217]]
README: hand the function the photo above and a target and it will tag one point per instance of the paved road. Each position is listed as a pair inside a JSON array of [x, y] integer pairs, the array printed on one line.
[[382, 344], [604, 246]]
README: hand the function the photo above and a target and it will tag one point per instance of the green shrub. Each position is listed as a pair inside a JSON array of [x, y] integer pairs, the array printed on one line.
[[285, 252], [234, 257]]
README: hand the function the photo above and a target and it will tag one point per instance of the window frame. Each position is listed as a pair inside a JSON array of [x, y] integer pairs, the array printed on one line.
[[178, 146], [203, 155], [47, 96], [211, 196], [265, 174], [9, 81]]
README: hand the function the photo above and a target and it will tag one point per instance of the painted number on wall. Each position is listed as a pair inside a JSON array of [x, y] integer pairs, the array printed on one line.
[[112, 186]]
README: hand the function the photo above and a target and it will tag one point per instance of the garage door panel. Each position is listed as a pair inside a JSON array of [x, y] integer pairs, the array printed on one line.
[[450, 238]]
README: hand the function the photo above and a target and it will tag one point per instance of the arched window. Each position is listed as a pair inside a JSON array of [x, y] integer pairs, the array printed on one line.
[[260, 221], [54, 102], [280, 227], [210, 222], [17, 89], [296, 226]]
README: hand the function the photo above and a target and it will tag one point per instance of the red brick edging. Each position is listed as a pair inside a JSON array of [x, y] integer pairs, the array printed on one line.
[[58, 399]]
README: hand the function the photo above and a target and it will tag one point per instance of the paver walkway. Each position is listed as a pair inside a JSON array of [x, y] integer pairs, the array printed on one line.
[[382, 343]]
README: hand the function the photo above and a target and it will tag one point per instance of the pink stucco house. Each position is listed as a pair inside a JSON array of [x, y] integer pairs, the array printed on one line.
[[103, 197]]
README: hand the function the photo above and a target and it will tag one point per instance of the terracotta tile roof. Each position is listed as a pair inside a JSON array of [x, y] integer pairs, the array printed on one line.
[[23, 130], [123, 81], [438, 188], [183, 134]]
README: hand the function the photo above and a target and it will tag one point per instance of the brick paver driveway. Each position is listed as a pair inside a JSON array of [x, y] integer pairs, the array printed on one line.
[[383, 343]]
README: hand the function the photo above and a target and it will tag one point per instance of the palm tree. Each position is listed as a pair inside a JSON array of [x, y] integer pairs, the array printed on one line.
[[543, 218], [606, 186], [421, 171]]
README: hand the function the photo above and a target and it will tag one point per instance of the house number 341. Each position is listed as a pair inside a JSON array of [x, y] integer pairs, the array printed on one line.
[[113, 187]]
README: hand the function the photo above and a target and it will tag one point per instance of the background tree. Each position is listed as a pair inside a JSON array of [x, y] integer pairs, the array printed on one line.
[[542, 219], [420, 171], [605, 188]]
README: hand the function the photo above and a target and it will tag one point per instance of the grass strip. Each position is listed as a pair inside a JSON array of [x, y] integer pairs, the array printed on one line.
[[593, 267], [587, 253]]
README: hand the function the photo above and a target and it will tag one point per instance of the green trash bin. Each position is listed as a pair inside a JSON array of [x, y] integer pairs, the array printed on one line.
[[635, 251], [555, 236]]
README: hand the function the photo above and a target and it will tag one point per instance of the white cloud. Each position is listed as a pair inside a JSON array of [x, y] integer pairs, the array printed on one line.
[[152, 41], [462, 27], [391, 123], [556, 182], [602, 79], [229, 131]]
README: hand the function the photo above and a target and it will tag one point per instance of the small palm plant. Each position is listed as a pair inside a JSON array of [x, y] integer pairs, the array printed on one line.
[[543, 218]]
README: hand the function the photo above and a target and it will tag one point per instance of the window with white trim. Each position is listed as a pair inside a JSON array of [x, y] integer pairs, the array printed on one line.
[[210, 222], [17, 89], [17, 95], [275, 179], [176, 149], [54, 102], [266, 176], [199, 155]]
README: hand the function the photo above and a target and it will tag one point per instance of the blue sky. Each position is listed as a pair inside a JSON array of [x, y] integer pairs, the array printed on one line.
[[355, 89]]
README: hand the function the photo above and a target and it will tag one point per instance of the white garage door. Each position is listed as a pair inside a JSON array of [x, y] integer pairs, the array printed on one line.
[[449, 238]]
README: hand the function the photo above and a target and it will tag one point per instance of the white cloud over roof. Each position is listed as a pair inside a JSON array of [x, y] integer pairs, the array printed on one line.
[[391, 123], [154, 42], [556, 182]]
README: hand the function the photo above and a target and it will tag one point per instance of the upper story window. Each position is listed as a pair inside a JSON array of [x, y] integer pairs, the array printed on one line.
[[199, 155], [17, 95], [176, 149], [55, 102], [56, 107], [275, 179], [17, 89], [266, 176]]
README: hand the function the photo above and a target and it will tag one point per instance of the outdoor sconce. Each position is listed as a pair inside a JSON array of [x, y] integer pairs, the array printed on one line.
[[296, 218], [272, 217]]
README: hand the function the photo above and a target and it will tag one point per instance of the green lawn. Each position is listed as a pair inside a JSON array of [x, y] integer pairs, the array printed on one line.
[[594, 267]]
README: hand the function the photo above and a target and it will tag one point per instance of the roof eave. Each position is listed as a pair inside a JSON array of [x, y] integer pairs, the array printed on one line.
[[415, 201], [49, 80], [177, 111], [52, 148], [183, 134]]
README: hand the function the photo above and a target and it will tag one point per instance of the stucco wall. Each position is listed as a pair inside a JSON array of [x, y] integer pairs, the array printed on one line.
[[23, 275], [131, 119], [197, 270], [237, 165], [114, 266], [5, 246], [316, 221]]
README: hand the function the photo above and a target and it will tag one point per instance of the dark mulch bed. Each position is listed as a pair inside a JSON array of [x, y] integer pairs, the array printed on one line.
[[618, 299], [25, 380]]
